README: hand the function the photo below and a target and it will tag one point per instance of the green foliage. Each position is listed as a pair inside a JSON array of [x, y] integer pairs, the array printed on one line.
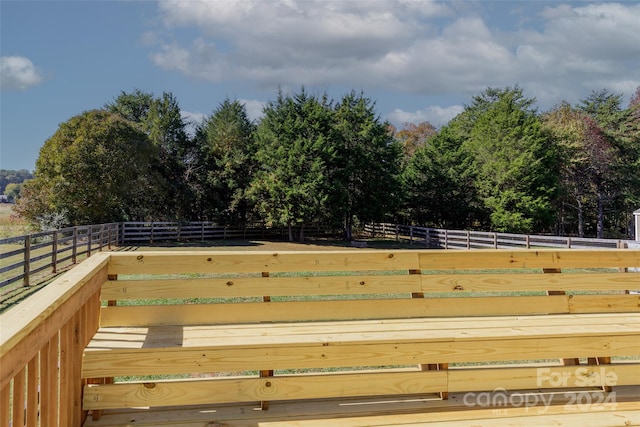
[[512, 161], [161, 120], [96, 168], [437, 185], [498, 165], [290, 187], [12, 191], [225, 163], [8, 177], [365, 171]]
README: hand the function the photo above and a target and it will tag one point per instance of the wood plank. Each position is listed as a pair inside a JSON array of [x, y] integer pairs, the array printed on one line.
[[545, 377], [258, 286], [604, 303], [203, 262], [491, 282], [32, 391], [360, 412], [304, 311], [28, 327], [525, 259], [5, 402], [363, 331], [487, 419], [65, 402], [323, 355], [49, 384], [229, 390], [19, 398]]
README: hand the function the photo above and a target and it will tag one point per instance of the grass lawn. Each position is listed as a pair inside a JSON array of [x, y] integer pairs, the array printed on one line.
[[10, 224]]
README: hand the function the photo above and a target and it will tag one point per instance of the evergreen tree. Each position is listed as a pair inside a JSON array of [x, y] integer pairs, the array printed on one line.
[[514, 163], [226, 163], [365, 171], [290, 187]]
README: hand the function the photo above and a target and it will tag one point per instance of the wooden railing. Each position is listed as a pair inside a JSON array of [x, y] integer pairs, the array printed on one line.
[[31, 259], [41, 346], [42, 340], [466, 239]]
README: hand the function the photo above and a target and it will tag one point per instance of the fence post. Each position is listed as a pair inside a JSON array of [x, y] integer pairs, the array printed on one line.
[[446, 239], [74, 247], [27, 259], [468, 239], [527, 241], [89, 238], [411, 234], [54, 252], [569, 242]]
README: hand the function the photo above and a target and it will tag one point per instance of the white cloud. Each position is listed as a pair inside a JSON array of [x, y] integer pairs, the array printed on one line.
[[436, 115], [254, 108], [418, 47], [192, 120], [18, 72]]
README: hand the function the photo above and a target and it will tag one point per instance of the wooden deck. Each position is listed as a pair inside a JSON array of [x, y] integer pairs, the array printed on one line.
[[579, 408]]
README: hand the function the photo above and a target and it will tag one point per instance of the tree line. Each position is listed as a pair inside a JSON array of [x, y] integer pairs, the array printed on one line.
[[11, 182], [500, 165]]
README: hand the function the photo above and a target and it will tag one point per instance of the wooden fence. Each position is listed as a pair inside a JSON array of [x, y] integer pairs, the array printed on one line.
[[25, 260], [132, 233], [465, 239]]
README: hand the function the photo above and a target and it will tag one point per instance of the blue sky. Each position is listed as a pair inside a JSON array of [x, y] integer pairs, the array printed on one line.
[[419, 60]]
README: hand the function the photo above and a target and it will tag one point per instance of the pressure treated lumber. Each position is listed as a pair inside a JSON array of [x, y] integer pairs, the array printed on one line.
[[265, 327]]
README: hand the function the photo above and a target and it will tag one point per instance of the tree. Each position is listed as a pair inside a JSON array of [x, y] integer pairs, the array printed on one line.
[[411, 137], [627, 137], [290, 186], [604, 107], [161, 119], [439, 190], [226, 163], [13, 177], [365, 171], [96, 168], [514, 164], [604, 118], [568, 128], [12, 191]]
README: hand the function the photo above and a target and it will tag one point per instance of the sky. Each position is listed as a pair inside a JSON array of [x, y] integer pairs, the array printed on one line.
[[417, 60]]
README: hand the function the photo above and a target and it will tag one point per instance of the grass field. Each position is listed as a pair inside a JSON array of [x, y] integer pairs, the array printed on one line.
[[10, 224]]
